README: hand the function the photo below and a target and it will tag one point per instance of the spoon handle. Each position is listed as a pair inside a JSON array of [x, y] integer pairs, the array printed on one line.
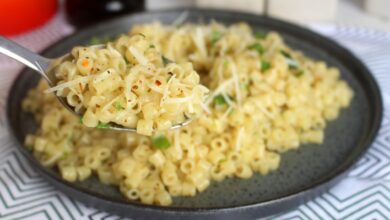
[[23, 55]]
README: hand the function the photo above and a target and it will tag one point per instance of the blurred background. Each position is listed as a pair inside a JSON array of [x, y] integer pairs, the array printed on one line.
[[21, 16]]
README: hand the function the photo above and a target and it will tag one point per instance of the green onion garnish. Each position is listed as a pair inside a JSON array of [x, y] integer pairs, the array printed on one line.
[[152, 46], [225, 63], [161, 142], [292, 64], [300, 73], [100, 40], [165, 60], [285, 54], [118, 106], [103, 125], [244, 86], [257, 47], [215, 36], [81, 120], [64, 155], [219, 100], [265, 65]]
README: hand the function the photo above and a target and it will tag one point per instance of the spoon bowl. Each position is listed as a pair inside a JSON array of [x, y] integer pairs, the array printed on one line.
[[47, 67]]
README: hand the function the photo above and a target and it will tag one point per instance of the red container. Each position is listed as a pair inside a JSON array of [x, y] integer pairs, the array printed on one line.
[[17, 16]]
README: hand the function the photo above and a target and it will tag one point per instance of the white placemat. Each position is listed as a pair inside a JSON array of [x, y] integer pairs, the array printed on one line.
[[364, 194]]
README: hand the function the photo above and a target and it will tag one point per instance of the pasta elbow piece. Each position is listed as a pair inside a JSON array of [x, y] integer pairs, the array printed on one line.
[[188, 189], [40, 144], [163, 198], [157, 159], [84, 172], [69, 173], [90, 119], [147, 195], [145, 127]]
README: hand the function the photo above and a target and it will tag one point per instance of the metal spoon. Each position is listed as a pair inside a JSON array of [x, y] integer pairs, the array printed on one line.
[[46, 68]]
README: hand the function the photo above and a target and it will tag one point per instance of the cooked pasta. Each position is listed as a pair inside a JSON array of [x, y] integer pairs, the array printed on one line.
[[128, 82], [265, 99]]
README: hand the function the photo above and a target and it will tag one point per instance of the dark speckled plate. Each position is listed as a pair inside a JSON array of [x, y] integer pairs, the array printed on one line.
[[303, 174]]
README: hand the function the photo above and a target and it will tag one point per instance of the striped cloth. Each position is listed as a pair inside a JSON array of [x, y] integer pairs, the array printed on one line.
[[364, 194]]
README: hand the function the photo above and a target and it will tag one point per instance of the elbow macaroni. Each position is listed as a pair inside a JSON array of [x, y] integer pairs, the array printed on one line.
[[265, 99]]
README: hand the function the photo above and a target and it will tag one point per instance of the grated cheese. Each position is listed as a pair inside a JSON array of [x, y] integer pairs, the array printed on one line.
[[138, 56], [227, 99], [198, 39], [166, 92], [205, 108], [262, 109], [68, 84], [178, 100], [104, 75], [236, 81], [221, 88], [226, 113], [191, 108], [239, 137]]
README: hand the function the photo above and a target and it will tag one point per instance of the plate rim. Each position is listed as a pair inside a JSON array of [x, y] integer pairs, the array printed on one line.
[[309, 192]]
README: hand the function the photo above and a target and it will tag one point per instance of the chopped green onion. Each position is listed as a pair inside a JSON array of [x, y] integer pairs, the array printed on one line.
[[292, 64], [285, 54], [161, 142], [265, 65], [143, 35], [81, 120], [165, 60], [300, 73], [94, 40], [225, 63], [152, 46], [260, 35], [118, 106], [64, 155], [215, 37], [219, 100], [99, 40], [103, 125], [257, 47], [244, 85]]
